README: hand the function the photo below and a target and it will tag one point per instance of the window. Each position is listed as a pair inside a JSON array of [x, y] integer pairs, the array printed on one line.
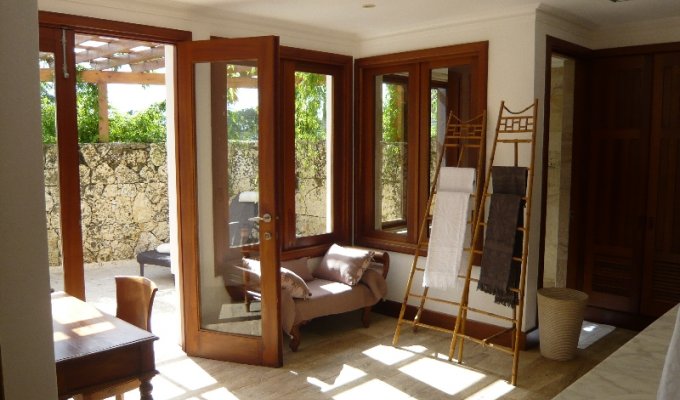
[[402, 105], [315, 106], [391, 153]]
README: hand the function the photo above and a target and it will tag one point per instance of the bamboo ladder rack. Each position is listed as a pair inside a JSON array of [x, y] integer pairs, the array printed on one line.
[[515, 129], [463, 136]]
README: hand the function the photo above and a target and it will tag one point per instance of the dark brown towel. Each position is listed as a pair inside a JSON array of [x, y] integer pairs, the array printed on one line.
[[506, 212]]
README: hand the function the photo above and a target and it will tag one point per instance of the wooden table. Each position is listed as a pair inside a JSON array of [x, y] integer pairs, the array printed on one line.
[[94, 350]]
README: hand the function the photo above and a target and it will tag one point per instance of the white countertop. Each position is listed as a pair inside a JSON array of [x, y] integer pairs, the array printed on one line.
[[631, 372]]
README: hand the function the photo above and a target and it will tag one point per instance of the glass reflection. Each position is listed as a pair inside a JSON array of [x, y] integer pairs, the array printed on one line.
[[391, 152], [230, 295]]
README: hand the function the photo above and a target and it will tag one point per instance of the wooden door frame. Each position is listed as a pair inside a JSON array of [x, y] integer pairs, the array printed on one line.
[[581, 56], [268, 348], [69, 176], [580, 148]]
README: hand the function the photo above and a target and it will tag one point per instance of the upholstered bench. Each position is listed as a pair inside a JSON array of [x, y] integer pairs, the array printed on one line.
[[345, 280], [152, 257]]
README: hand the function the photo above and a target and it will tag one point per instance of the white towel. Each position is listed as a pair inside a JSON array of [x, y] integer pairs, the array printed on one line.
[[164, 248], [449, 223], [669, 387], [453, 179], [249, 197]]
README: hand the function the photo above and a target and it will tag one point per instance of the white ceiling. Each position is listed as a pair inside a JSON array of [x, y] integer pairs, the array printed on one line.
[[394, 16]]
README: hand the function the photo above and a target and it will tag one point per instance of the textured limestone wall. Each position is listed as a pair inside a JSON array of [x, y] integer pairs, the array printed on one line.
[[124, 200]]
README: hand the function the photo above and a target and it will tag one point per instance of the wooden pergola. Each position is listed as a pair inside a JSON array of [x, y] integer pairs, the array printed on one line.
[[116, 60], [113, 60]]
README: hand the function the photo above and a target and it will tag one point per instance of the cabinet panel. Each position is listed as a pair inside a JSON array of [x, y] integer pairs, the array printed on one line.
[[662, 244]]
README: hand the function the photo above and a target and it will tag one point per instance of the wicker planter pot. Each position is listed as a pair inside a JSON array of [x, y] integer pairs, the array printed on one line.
[[560, 316]]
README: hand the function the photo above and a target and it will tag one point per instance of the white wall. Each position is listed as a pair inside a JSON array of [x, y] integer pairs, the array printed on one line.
[[25, 313]]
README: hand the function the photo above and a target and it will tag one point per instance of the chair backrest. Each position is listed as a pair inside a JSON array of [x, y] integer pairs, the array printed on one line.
[[134, 300]]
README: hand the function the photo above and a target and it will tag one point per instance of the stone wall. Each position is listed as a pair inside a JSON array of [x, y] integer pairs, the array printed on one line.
[[124, 200], [124, 197]]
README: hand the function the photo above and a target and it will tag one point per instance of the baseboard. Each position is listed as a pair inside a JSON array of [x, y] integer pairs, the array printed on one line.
[[475, 329]]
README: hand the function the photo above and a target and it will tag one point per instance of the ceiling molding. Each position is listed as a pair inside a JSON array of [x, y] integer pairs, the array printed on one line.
[[664, 30], [460, 23], [222, 22]]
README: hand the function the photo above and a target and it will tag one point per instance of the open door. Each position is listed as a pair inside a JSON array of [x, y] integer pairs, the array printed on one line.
[[218, 80]]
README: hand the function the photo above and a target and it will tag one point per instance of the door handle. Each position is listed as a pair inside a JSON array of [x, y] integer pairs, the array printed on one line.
[[265, 218]]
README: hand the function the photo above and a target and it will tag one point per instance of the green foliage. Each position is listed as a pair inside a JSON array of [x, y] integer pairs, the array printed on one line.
[[393, 113], [434, 111], [310, 106], [87, 98], [49, 112], [311, 95], [242, 124], [147, 126]]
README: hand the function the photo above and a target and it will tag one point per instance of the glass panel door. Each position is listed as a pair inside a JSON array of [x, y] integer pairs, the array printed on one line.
[[226, 129]]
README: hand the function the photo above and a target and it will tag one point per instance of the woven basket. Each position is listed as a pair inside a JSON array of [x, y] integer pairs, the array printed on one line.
[[560, 316]]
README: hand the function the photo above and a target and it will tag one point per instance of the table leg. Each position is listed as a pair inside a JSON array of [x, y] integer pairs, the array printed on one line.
[[145, 389]]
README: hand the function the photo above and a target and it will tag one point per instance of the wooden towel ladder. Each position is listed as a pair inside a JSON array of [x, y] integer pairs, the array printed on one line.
[[463, 137], [516, 130]]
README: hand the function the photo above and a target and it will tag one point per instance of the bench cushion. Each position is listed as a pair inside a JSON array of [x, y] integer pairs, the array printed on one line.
[[154, 258]]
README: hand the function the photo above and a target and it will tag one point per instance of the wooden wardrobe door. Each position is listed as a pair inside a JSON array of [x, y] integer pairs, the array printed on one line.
[[617, 181], [662, 245]]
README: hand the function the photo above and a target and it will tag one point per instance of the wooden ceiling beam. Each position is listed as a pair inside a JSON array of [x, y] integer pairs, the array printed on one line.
[[148, 65], [107, 50], [138, 78], [130, 58]]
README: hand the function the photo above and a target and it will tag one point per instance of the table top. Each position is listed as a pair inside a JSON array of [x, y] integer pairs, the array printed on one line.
[[631, 372], [80, 329]]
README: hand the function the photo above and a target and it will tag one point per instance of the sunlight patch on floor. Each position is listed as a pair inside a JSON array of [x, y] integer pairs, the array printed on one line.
[[388, 355], [446, 377], [373, 389], [218, 394], [346, 375], [494, 391], [189, 373]]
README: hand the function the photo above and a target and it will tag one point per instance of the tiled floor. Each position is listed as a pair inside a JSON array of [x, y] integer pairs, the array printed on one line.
[[338, 359]]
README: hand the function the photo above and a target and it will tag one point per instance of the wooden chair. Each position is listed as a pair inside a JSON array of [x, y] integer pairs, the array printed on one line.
[[134, 301]]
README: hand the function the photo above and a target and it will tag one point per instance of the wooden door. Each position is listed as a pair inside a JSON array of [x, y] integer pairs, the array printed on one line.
[[662, 228], [217, 324], [59, 43], [617, 181]]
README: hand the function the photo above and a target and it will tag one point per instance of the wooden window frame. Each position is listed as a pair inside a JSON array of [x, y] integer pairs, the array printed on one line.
[[418, 63], [340, 68]]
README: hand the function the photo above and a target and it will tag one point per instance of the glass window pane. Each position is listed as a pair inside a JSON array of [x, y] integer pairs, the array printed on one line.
[[242, 156], [313, 138], [48, 110], [239, 311], [391, 152], [438, 120]]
